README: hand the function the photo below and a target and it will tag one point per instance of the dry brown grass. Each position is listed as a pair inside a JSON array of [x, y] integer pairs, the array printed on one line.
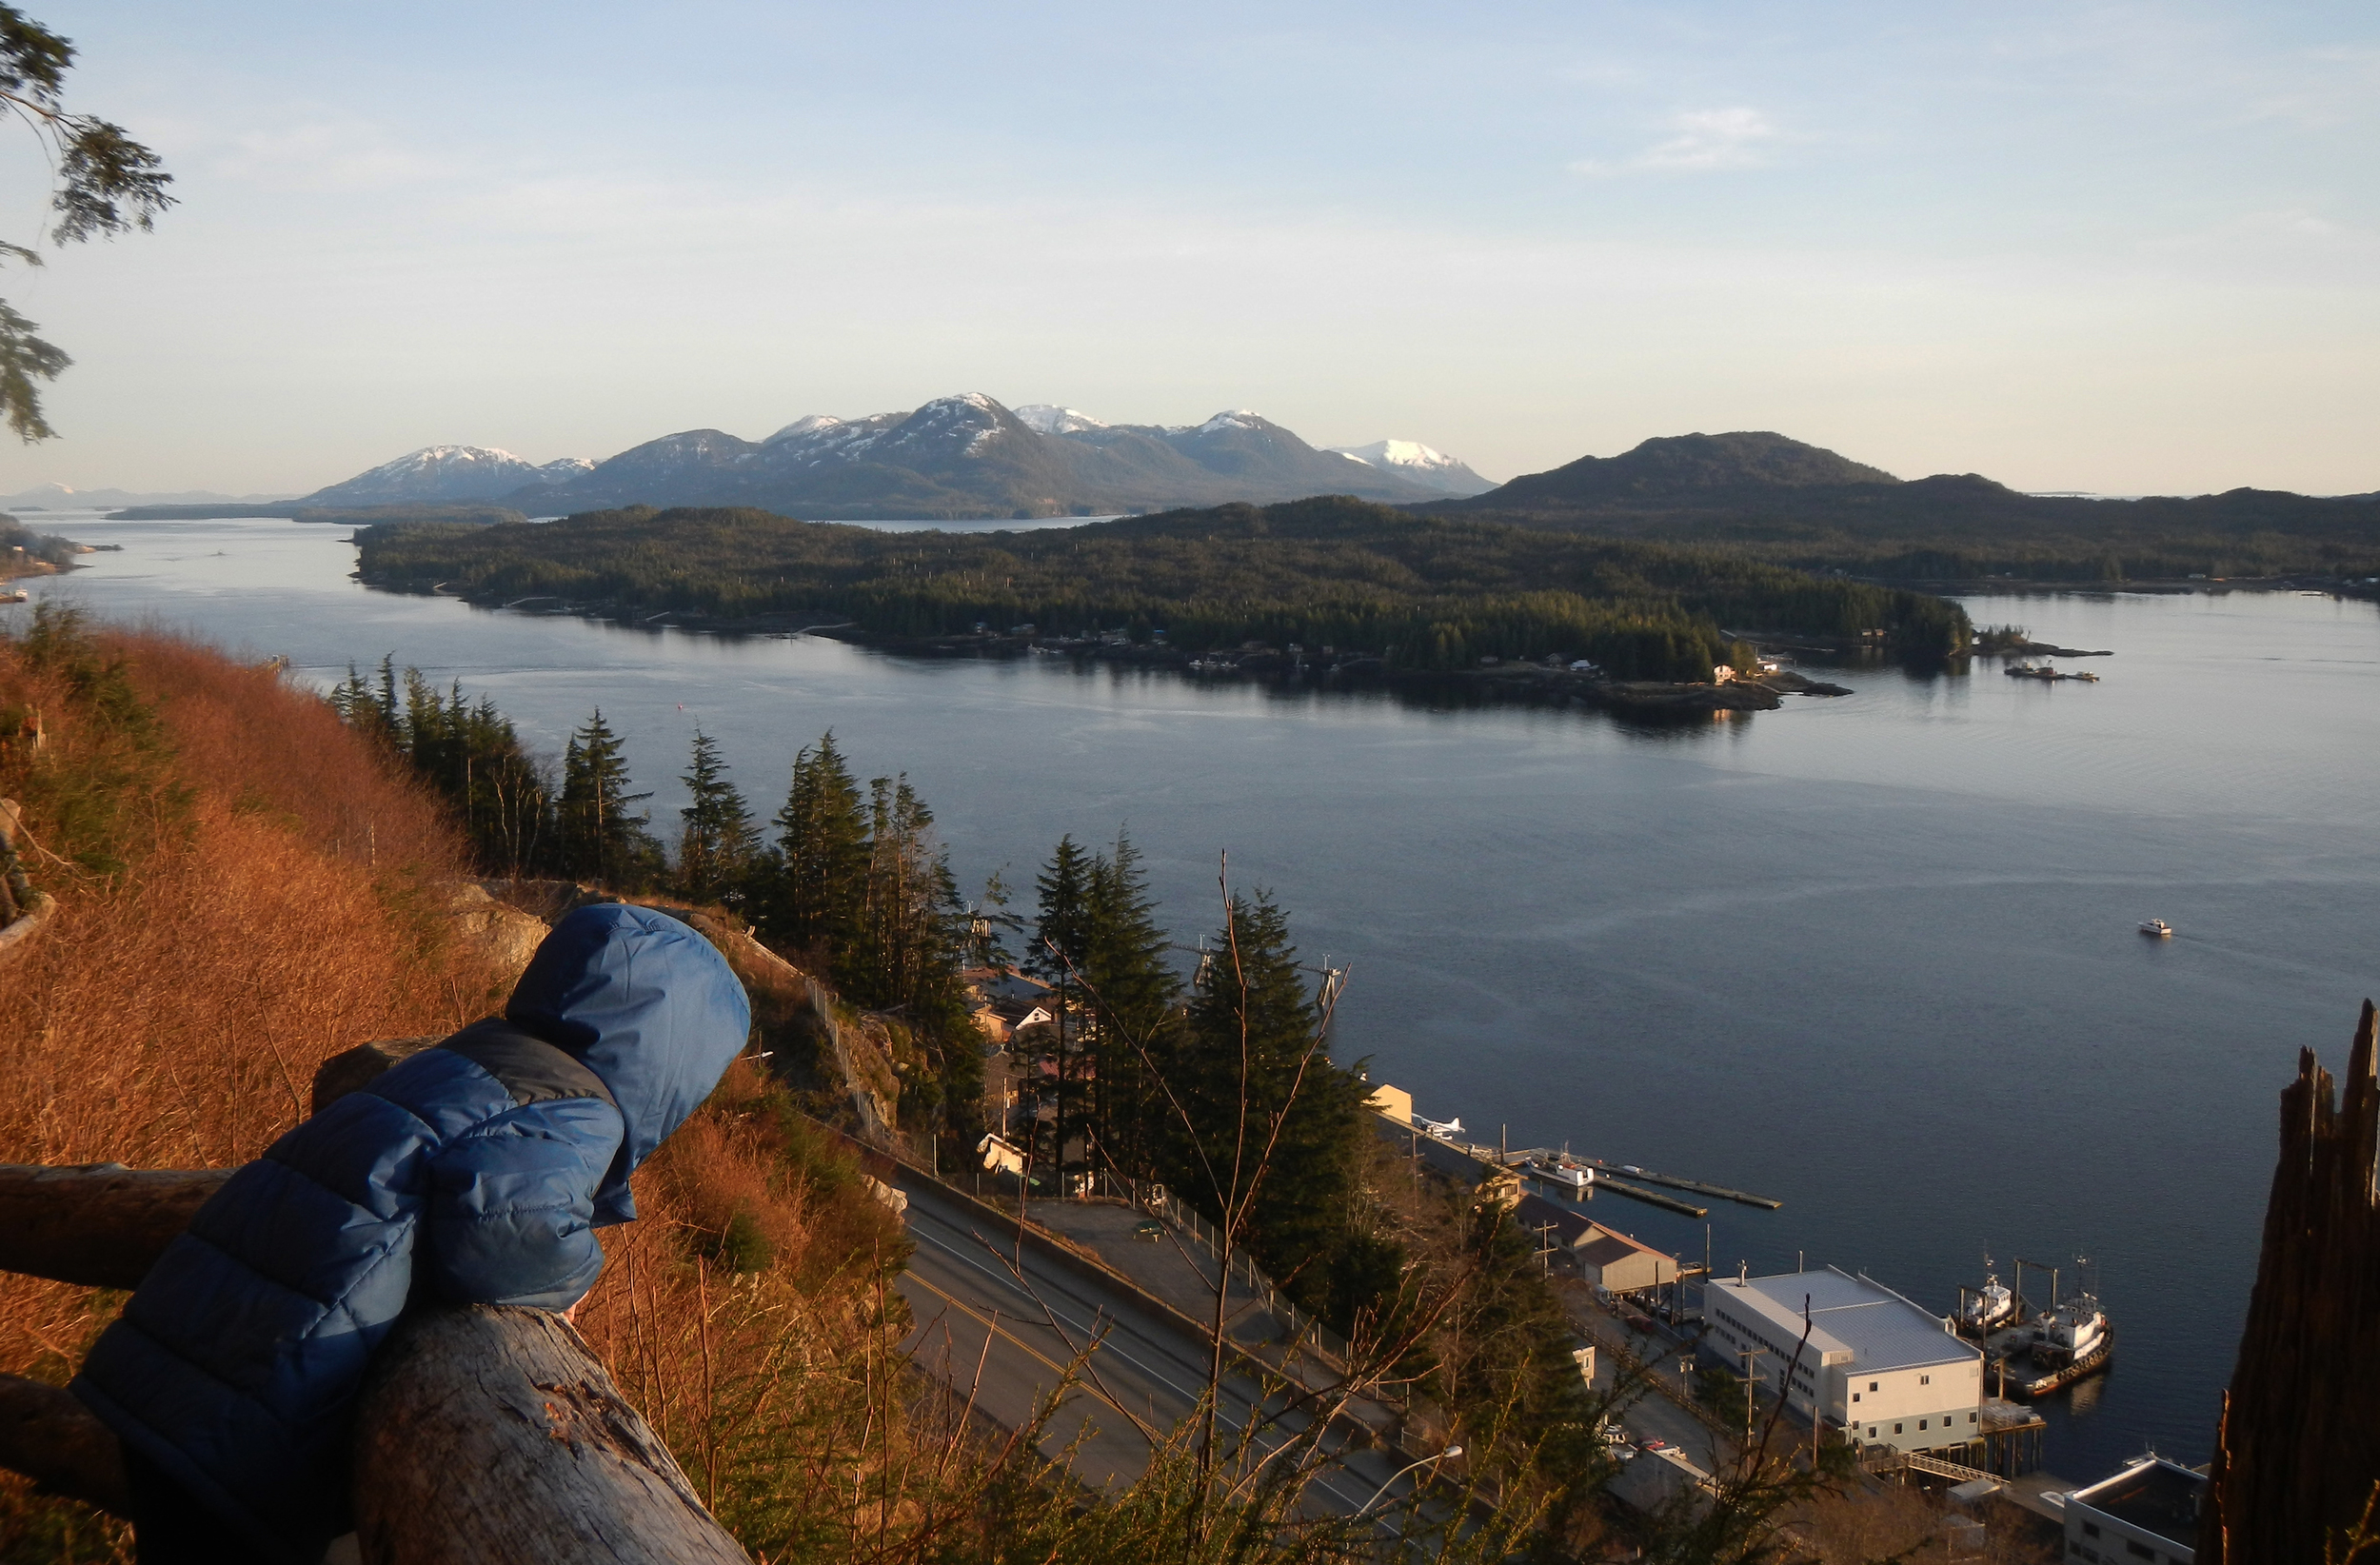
[[264, 908], [257, 893]]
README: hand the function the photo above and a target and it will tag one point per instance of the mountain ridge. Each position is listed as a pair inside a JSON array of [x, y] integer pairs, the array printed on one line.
[[957, 457]]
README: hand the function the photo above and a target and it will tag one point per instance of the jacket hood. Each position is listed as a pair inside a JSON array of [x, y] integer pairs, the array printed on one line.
[[650, 1006]]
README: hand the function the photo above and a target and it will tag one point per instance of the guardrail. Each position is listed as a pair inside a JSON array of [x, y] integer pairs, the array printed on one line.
[[1158, 1203]]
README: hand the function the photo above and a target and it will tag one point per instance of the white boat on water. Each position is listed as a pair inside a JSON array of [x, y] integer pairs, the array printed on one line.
[[2069, 1332], [1570, 1178], [1991, 1307], [2156, 930]]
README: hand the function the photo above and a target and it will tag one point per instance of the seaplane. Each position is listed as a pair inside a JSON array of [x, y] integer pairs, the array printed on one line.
[[1444, 1130]]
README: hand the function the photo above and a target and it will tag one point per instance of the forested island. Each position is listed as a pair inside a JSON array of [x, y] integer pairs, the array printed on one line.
[[1357, 580], [1768, 497]]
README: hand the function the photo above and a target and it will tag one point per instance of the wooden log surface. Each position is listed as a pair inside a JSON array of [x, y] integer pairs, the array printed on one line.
[[489, 1432], [53, 1440], [343, 1073], [101, 1225]]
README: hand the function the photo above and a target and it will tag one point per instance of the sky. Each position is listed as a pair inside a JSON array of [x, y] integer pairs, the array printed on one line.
[[2123, 248]]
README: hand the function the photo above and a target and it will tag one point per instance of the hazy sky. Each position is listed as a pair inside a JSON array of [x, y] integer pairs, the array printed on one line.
[[2120, 247]]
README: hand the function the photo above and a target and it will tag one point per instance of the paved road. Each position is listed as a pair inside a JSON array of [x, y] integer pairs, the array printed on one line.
[[1001, 1324]]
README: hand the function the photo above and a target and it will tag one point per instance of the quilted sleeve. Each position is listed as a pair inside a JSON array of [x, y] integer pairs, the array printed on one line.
[[511, 1207]]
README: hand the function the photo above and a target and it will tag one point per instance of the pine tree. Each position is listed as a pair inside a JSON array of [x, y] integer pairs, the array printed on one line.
[[716, 843], [1060, 937], [1273, 1123], [913, 943], [1133, 993], [813, 905], [600, 839], [471, 755]]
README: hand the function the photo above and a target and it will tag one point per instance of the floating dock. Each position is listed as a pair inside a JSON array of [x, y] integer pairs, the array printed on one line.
[[1677, 1182]]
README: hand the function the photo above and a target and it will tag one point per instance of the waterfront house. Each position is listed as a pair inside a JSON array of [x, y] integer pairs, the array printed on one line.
[[1850, 1354]]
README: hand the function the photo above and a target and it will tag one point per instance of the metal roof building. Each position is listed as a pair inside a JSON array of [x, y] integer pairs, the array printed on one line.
[[1851, 1351]]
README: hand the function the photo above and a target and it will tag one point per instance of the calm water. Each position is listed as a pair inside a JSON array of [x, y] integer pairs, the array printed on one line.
[[1872, 956]]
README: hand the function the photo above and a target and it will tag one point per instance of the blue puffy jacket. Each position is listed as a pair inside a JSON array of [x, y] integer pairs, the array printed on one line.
[[475, 1172]]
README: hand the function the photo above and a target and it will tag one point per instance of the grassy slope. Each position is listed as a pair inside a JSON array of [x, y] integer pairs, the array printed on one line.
[[246, 889]]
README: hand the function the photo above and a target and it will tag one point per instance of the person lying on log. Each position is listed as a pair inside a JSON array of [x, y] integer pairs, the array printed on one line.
[[475, 1172]]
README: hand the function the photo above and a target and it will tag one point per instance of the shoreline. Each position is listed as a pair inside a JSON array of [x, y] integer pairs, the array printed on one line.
[[1528, 683]]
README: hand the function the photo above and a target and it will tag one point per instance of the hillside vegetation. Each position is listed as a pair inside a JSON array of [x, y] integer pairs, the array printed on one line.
[[246, 886], [1418, 592]]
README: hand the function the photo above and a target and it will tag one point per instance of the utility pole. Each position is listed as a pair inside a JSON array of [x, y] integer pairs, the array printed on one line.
[[1750, 1380]]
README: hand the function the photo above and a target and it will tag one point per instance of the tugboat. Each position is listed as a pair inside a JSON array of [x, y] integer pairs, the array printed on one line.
[[2156, 930], [1992, 1307]]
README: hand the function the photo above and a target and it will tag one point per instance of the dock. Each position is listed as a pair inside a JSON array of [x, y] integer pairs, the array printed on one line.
[[1650, 1197], [1677, 1181]]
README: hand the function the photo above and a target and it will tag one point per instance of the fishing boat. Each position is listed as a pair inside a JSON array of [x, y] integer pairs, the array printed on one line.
[[2071, 1335], [1570, 1179], [1991, 1307], [2156, 930]]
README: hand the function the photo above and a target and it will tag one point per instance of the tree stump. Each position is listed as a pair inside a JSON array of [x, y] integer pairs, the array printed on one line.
[[2297, 1453], [489, 1432]]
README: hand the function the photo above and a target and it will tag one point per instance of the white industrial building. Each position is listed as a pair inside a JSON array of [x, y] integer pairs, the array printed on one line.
[[1872, 1364]]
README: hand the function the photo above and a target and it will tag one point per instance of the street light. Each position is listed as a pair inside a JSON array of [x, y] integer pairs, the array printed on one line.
[[1450, 1451]]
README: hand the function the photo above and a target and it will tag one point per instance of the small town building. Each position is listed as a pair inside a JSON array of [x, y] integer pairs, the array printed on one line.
[[2146, 1513], [1607, 1259], [1850, 1354], [1396, 1102]]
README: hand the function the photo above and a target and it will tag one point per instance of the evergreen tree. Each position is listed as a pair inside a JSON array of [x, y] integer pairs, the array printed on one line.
[[913, 943], [471, 755], [1061, 934], [1133, 993], [601, 838], [813, 905], [1273, 1124], [715, 845]]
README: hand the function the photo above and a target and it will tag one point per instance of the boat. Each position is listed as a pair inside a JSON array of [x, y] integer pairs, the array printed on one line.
[[2070, 1335], [1992, 1306], [1575, 1180], [14, 595], [2156, 930]]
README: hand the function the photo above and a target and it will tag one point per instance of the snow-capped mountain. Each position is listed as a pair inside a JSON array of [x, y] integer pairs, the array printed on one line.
[[959, 456], [1412, 460], [1044, 418], [447, 472]]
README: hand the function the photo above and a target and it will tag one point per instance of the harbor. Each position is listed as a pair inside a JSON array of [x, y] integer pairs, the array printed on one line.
[[2005, 1347]]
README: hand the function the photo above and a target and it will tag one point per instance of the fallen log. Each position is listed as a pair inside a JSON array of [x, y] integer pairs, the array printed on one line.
[[491, 1432], [350, 1069], [51, 1439], [101, 1225]]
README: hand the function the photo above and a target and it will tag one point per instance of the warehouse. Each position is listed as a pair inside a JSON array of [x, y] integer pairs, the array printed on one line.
[[1850, 1354]]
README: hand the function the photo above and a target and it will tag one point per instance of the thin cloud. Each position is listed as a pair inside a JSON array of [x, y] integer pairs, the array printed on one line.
[[1701, 141]]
